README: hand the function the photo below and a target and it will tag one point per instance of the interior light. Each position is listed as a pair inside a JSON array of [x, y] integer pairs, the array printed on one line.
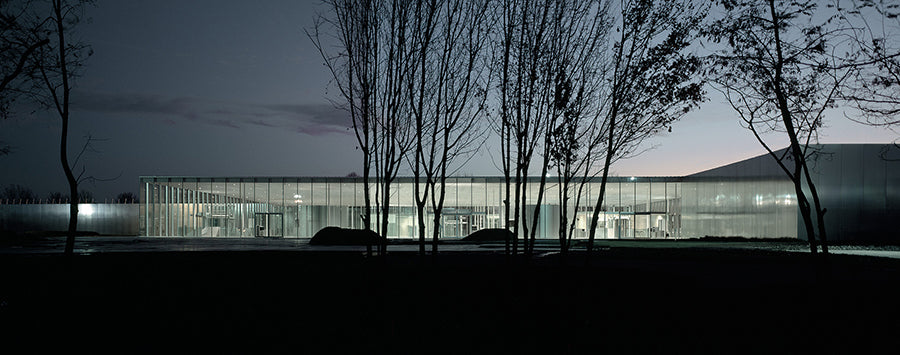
[[85, 210]]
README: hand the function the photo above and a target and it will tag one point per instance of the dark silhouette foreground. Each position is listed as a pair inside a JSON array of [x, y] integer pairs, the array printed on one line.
[[625, 301]]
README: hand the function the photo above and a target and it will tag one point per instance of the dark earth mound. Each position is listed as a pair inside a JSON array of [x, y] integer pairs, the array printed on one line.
[[489, 235], [343, 236]]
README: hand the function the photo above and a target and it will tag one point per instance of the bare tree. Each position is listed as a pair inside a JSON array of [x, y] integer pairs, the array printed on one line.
[[14, 193], [57, 197], [54, 68], [126, 197], [354, 70], [552, 67], [526, 101], [577, 69], [371, 73], [391, 134], [779, 71], [652, 81], [447, 97], [20, 37], [85, 196], [424, 32]]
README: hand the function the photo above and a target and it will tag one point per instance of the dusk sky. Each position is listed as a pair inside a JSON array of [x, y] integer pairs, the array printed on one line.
[[235, 88]]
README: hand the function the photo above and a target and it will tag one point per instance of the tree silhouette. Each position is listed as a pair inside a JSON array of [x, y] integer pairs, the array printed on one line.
[[530, 37], [57, 197], [776, 64], [57, 64], [126, 197], [370, 70], [353, 73], [15, 193], [448, 90], [19, 39], [85, 196], [652, 79]]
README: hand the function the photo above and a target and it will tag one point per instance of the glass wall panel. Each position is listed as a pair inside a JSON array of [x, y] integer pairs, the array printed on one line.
[[291, 210], [218, 216], [246, 210], [673, 209], [348, 203], [318, 205], [233, 203], [204, 208], [192, 210]]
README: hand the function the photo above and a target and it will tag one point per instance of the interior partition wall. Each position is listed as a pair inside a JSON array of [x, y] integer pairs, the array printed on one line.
[[646, 207]]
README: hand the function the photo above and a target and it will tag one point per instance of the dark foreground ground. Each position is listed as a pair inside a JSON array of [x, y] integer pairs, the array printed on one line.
[[626, 300]]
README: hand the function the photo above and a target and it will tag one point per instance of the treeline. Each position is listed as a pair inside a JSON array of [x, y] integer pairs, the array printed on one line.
[[18, 194]]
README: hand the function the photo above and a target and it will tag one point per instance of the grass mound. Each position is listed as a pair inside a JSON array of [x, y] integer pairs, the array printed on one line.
[[489, 235], [345, 236]]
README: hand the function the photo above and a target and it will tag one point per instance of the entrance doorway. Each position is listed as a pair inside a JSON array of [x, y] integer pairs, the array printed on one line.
[[269, 225]]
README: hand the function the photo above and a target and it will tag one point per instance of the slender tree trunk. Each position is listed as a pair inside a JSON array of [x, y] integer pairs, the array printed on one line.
[[507, 185], [787, 119], [382, 248], [563, 212], [420, 210], [438, 206], [610, 149], [540, 198], [518, 192], [63, 108], [73, 188], [367, 210], [820, 212], [595, 216], [505, 125]]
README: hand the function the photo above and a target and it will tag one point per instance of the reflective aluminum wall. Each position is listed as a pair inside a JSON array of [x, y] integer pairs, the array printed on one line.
[[103, 218]]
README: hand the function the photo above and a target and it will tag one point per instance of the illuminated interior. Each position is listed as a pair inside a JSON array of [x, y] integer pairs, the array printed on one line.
[[297, 207]]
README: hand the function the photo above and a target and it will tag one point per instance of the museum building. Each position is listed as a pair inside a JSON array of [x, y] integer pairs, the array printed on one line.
[[859, 184]]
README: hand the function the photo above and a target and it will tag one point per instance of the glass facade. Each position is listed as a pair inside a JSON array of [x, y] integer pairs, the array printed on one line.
[[634, 207], [754, 208]]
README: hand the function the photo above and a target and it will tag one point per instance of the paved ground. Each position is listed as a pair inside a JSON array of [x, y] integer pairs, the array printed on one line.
[[113, 244]]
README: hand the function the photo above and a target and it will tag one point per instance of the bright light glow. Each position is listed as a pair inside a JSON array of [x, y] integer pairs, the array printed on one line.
[[298, 196], [85, 210], [632, 178]]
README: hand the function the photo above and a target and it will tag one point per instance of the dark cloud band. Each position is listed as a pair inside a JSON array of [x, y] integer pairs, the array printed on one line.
[[311, 119]]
